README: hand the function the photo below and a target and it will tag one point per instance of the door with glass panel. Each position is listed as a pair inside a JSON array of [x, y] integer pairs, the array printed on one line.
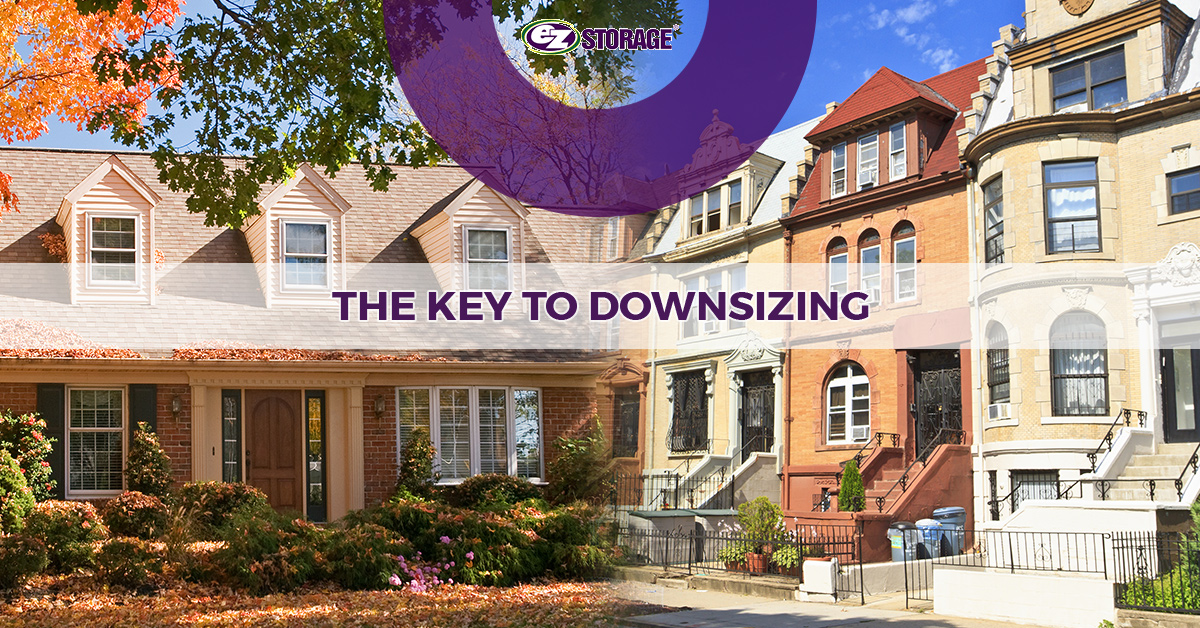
[[1180, 380]]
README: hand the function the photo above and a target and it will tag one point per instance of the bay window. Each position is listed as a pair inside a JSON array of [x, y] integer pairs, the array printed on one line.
[[1093, 83], [1072, 207], [1185, 191], [1078, 365]]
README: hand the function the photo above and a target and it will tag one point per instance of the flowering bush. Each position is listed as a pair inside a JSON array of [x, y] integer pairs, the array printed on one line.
[[69, 530], [24, 438], [362, 556], [148, 469], [16, 498], [129, 562], [213, 504], [422, 576], [135, 514], [22, 556]]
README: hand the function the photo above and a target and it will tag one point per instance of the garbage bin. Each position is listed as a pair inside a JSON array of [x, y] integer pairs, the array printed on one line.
[[904, 538], [954, 521], [931, 538]]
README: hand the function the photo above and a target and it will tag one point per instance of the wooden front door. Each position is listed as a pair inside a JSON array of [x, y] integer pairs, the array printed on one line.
[[274, 457]]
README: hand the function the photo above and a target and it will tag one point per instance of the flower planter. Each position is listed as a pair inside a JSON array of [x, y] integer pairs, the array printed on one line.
[[793, 571], [731, 566], [756, 563]]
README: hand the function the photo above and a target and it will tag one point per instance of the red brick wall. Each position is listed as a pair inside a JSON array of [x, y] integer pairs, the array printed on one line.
[[379, 444], [564, 412], [175, 434], [18, 398]]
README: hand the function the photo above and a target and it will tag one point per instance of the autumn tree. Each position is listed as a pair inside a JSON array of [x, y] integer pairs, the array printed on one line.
[[48, 51]]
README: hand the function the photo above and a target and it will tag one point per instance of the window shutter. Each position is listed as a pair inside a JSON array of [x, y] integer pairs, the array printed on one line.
[[143, 406], [52, 405]]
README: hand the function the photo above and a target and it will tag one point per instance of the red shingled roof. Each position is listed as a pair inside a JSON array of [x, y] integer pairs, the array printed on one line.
[[883, 90]]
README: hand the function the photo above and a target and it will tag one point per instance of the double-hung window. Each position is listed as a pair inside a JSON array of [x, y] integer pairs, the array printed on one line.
[[487, 259], [113, 249], [613, 234], [305, 255], [477, 429], [869, 271], [837, 173], [868, 161], [993, 222], [735, 202], [712, 216], [737, 283], [1072, 207], [696, 215], [1093, 83], [1185, 191], [839, 267], [712, 324], [95, 441], [905, 265], [848, 405], [899, 156]]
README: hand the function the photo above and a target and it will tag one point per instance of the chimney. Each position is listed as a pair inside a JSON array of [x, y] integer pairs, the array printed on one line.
[[829, 107]]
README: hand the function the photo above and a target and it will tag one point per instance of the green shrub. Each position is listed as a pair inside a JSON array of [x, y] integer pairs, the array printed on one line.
[[148, 469], [761, 522], [69, 530], [735, 551], [266, 552], [135, 514], [129, 562], [362, 556], [851, 495], [579, 471], [213, 504], [491, 490], [16, 498], [416, 478], [24, 438], [22, 556], [1179, 588]]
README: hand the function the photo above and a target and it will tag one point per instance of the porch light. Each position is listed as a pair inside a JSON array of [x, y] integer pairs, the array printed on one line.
[[176, 406], [379, 406]]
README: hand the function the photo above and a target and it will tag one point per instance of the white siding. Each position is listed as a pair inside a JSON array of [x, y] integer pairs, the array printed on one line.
[[111, 196]]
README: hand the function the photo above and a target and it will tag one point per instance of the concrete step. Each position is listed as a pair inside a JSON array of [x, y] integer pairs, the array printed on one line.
[[1176, 462], [1140, 494], [891, 475], [1177, 449], [1156, 472]]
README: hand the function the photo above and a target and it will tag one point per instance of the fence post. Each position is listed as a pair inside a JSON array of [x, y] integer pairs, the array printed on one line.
[[676, 477], [862, 588]]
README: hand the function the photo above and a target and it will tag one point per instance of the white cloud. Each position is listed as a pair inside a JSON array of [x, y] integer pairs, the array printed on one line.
[[909, 24], [867, 73], [911, 14], [944, 59]]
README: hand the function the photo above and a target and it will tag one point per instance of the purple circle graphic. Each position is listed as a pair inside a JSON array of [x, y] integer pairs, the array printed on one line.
[[629, 159]]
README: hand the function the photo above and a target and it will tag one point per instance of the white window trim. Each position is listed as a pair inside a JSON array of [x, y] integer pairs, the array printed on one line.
[[613, 242], [897, 268], [466, 252], [864, 166], [897, 157], [68, 491], [703, 329], [137, 252], [849, 408], [862, 272], [435, 432], [283, 255], [845, 170], [846, 264]]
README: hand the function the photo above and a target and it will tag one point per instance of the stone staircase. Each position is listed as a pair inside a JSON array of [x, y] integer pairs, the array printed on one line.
[[1163, 466], [880, 487]]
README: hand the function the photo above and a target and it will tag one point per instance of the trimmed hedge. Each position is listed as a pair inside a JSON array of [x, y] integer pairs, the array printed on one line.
[[135, 514], [69, 530]]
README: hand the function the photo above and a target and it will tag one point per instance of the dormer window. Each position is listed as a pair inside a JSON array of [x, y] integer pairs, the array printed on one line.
[[705, 210], [837, 178], [735, 202], [1093, 83], [868, 161], [112, 249], [899, 157], [305, 255], [487, 259]]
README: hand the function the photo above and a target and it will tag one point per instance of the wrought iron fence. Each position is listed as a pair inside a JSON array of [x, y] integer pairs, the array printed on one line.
[[1157, 571], [645, 491], [1065, 552]]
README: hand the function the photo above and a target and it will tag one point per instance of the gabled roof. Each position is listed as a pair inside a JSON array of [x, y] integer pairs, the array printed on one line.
[[884, 90], [303, 173], [112, 164], [439, 206]]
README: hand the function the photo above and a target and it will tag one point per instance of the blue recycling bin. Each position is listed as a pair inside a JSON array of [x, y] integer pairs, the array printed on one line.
[[931, 538], [904, 539], [954, 521]]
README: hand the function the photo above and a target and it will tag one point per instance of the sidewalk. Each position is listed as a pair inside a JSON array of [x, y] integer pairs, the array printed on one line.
[[709, 609]]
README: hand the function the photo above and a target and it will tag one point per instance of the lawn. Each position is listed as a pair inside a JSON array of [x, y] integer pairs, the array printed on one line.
[[76, 601]]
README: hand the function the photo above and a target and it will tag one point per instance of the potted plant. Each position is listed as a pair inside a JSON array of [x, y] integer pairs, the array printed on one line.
[[734, 555], [762, 524], [787, 558]]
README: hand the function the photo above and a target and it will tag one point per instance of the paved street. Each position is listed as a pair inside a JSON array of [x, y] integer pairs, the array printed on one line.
[[708, 609]]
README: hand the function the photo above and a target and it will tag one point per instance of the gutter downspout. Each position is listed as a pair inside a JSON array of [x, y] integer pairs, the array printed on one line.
[[786, 453], [976, 325], [652, 396]]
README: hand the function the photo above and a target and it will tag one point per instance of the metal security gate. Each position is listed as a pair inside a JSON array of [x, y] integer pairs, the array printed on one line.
[[757, 415], [939, 396]]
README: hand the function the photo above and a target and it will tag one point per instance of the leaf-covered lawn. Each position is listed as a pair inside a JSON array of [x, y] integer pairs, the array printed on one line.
[[76, 602]]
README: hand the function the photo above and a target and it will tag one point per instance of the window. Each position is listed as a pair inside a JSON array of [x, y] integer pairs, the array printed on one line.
[[696, 215], [95, 441], [712, 324], [487, 259], [868, 266], [993, 222], [1072, 211], [868, 161], [997, 364], [1090, 84], [528, 432], [691, 326], [454, 433], [1078, 365], [1185, 191], [712, 284], [614, 237], [689, 412], [231, 436], [837, 175], [627, 406], [412, 412], [712, 218], [904, 238], [899, 157], [493, 434], [735, 202], [305, 255], [314, 403], [478, 429], [848, 405], [1033, 485], [737, 283], [839, 266], [113, 252]]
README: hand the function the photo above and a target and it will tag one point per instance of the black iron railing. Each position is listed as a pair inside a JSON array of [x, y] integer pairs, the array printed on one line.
[[1148, 488], [1192, 464], [942, 437], [1125, 414], [762, 443], [875, 442], [645, 491], [1157, 571]]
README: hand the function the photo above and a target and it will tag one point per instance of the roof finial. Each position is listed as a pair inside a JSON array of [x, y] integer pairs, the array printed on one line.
[[715, 111]]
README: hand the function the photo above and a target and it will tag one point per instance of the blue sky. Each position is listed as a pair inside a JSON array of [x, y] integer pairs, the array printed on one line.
[[917, 38]]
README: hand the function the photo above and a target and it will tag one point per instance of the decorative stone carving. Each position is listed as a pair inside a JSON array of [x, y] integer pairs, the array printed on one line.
[[752, 350], [843, 348], [1077, 295], [989, 309], [1181, 266], [1076, 7]]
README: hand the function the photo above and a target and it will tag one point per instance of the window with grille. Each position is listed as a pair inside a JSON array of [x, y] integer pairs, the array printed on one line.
[[305, 255], [231, 435], [1079, 365], [95, 436], [627, 405], [314, 403], [993, 219], [1033, 485], [689, 414], [487, 259], [112, 249], [997, 364], [1072, 207]]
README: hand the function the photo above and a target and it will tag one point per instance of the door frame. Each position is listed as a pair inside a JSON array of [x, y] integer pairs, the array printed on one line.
[[301, 436], [1171, 434]]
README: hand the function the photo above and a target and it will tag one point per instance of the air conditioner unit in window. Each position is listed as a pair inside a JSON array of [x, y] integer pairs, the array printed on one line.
[[867, 178], [875, 297], [859, 432], [998, 412]]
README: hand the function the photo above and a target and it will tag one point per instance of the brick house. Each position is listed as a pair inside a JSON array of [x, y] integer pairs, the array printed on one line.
[[98, 330]]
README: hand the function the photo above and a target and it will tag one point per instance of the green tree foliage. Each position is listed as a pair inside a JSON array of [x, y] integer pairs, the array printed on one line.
[[285, 82], [148, 470], [16, 499], [580, 471], [851, 495], [416, 477]]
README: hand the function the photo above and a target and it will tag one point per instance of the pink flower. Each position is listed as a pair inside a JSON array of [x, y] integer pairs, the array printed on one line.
[[395, 581], [470, 555], [445, 540]]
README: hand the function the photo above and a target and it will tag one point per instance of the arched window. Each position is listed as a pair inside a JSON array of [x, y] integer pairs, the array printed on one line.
[[848, 405], [838, 256], [1078, 365], [904, 261], [997, 364], [868, 265]]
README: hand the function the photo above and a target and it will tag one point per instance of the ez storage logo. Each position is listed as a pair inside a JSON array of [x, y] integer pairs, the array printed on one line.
[[550, 37]]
